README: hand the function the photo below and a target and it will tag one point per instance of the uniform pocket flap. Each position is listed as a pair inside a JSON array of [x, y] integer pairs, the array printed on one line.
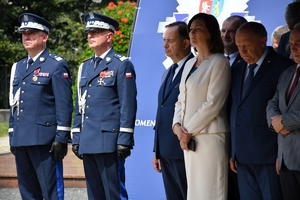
[[15, 81], [46, 120], [110, 126], [107, 81], [82, 81], [41, 81]]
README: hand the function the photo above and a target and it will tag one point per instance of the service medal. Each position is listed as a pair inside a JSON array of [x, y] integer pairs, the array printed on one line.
[[35, 73], [101, 80]]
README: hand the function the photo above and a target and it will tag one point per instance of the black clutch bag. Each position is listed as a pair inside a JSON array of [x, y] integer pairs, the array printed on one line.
[[192, 144]]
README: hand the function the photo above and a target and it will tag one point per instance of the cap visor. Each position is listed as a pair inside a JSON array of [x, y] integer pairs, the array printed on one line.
[[21, 30]]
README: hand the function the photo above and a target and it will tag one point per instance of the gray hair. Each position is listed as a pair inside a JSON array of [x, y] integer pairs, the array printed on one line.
[[277, 33]]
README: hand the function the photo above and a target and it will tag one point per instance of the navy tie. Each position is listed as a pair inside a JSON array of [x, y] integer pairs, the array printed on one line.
[[97, 60], [29, 62], [170, 78], [249, 78]]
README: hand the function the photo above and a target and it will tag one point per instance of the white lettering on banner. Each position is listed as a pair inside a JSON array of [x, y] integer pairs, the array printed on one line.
[[146, 122]]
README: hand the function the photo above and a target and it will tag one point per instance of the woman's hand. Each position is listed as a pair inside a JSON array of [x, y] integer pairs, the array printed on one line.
[[183, 136]]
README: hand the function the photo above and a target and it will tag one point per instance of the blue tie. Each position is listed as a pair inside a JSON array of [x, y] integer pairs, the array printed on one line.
[[29, 62], [249, 78], [170, 78], [97, 60]]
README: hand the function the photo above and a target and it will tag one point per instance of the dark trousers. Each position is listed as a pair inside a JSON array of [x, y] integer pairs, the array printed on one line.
[[290, 183], [233, 187], [258, 182], [174, 178], [102, 176], [39, 176]]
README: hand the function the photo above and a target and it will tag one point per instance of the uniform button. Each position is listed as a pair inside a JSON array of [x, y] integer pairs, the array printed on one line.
[[22, 92], [161, 106], [90, 85], [114, 129], [24, 83], [21, 101], [87, 106], [39, 82], [239, 109], [86, 117], [47, 123], [21, 110], [88, 96]]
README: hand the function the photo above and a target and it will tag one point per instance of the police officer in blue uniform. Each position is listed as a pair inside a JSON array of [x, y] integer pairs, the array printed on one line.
[[40, 114], [105, 111]]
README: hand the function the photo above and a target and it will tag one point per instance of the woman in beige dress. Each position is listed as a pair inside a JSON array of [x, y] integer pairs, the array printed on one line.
[[200, 112]]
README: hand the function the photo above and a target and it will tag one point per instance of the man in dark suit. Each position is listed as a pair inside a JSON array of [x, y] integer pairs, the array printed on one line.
[[292, 17], [253, 145], [168, 157], [229, 28], [283, 113], [228, 31]]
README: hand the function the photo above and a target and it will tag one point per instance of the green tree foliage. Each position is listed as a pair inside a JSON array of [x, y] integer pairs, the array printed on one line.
[[67, 39]]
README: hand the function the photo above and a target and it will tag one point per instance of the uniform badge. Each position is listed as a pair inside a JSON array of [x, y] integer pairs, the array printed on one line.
[[25, 18], [91, 15], [35, 73], [128, 75], [42, 59]]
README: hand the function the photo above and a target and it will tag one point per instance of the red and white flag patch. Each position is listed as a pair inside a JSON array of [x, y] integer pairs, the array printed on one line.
[[128, 75], [66, 75]]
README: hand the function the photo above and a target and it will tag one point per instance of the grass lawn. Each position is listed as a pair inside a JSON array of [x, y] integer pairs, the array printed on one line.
[[3, 129]]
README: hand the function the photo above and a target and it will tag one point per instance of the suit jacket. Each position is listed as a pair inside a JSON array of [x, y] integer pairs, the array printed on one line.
[[42, 112], [288, 146], [201, 103], [236, 61], [284, 41], [251, 140], [109, 105], [166, 143]]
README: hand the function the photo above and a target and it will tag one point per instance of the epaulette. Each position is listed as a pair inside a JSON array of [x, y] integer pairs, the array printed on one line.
[[55, 57], [121, 57]]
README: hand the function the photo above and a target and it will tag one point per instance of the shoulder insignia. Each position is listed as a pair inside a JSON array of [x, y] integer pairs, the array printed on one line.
[[55, 57], [58, 58], [121, 57]]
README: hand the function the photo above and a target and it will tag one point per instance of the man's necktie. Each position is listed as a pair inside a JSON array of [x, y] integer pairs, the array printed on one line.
[[97, 60], [170, 78], [296, 79], [29, 62], [249, 78]]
